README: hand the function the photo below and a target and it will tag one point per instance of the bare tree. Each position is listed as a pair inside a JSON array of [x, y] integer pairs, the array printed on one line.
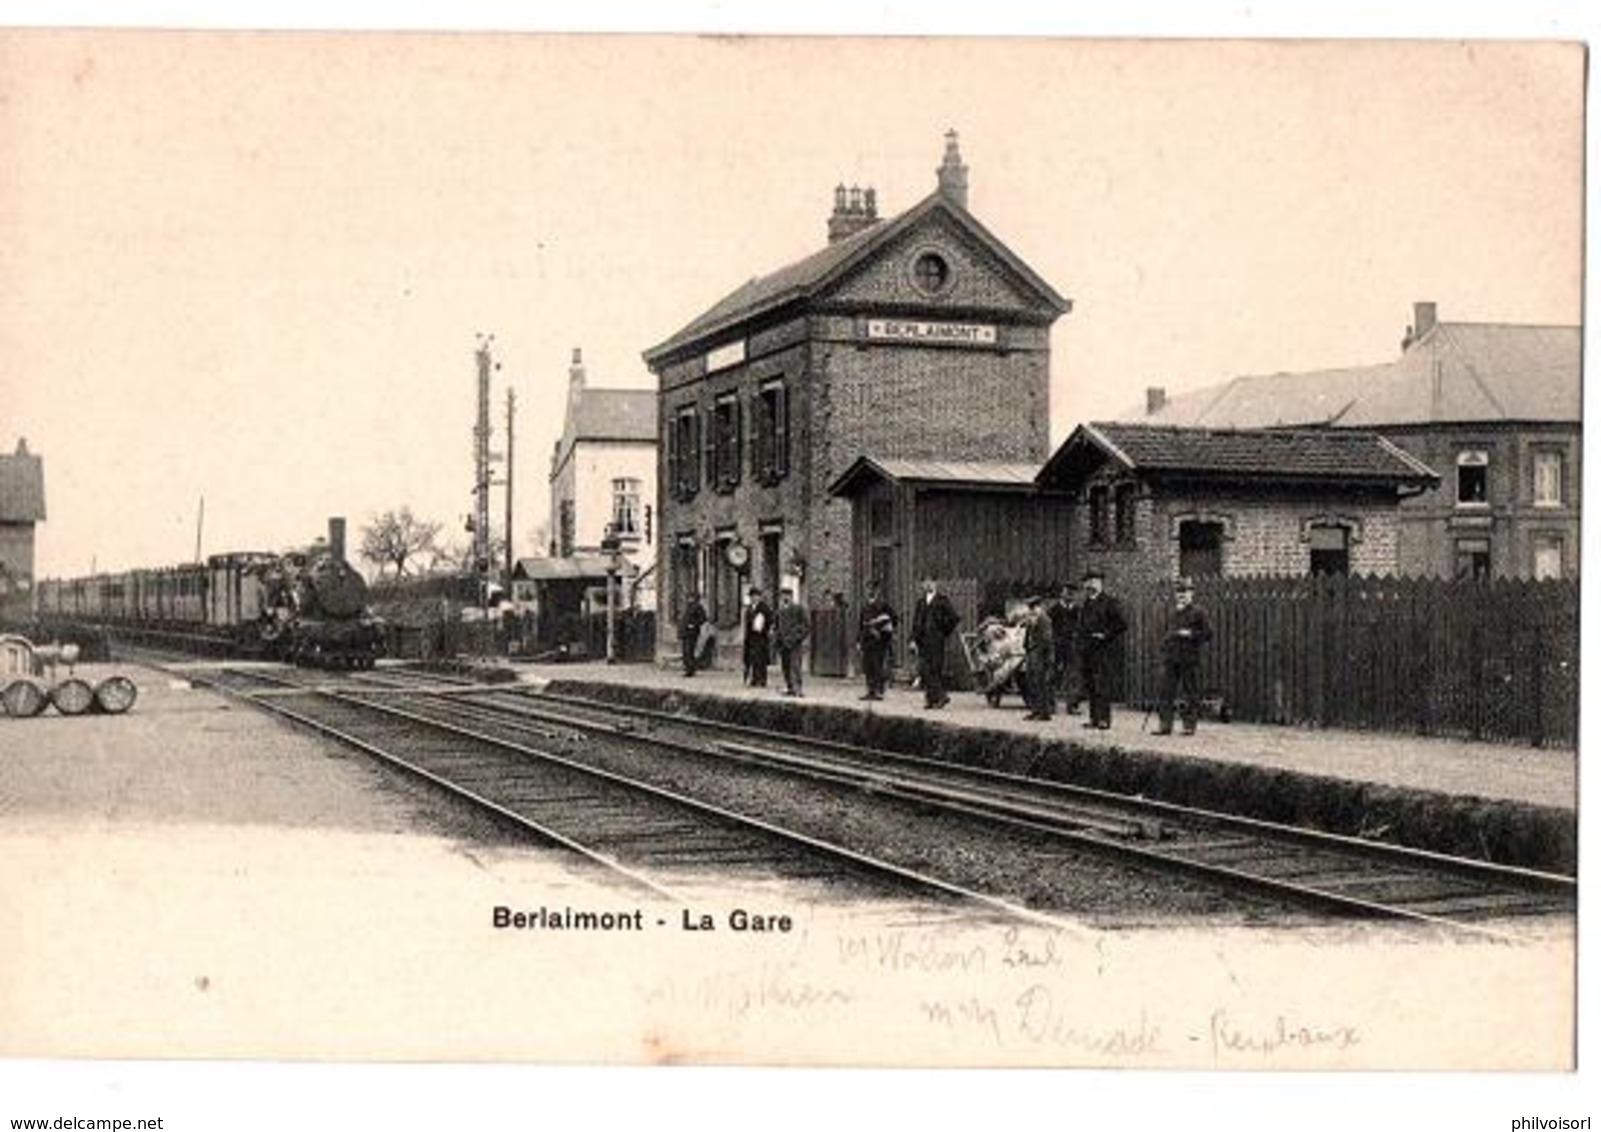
[[395, 538], [457, 557]]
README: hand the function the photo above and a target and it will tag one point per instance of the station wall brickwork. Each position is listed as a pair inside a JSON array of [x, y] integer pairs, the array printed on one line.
[[851, 395], [1265, 533]]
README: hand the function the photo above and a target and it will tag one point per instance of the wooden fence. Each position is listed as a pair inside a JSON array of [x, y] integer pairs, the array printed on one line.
[[1480, 659]]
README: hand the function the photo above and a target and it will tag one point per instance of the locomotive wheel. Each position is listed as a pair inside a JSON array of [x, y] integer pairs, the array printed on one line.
[[115, 695], [24, 697], [72, 697]]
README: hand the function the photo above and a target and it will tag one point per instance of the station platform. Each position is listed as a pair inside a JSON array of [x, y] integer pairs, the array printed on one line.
[[1512, 804], [1533, 775]]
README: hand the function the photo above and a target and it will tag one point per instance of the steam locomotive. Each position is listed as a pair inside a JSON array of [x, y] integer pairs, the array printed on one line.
[[307, 608]]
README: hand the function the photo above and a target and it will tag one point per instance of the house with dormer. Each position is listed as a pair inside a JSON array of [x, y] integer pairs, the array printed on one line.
[[1493, 407], [920, 336]]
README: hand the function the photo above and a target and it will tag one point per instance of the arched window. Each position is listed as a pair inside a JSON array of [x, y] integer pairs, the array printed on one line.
[[1329, 549]]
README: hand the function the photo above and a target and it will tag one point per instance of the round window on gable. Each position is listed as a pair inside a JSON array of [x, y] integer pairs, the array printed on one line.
[[931, 273]]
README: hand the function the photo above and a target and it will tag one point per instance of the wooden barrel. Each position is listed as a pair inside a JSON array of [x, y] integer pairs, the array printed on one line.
[[115, 695], [24, 697], [72, 696]]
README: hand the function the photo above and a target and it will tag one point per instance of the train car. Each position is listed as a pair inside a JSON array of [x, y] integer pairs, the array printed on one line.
[[235, 595], [310, 608]]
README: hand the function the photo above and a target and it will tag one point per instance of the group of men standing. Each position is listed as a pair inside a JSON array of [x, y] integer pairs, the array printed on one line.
[[1069, 647], [765, 629]]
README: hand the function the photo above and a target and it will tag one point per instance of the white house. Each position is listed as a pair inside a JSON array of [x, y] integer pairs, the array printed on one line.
[[603, 478]]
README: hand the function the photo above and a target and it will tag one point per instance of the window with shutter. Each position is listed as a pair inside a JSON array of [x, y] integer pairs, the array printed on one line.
[[770, 448], [683, 456], [781, 433], [674, 477], [725, 452], [708, 451]]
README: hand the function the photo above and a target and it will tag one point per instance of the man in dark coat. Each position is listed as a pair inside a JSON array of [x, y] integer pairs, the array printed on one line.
[[791, 627], [1039, 661], [758, 639], [1064, 635], [933, 622], [1100, 624], [875, 635], [1186, 631], [689, 629]]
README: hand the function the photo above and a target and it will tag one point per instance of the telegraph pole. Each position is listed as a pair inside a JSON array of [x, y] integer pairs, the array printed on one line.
[[481, 474], [511, 412]]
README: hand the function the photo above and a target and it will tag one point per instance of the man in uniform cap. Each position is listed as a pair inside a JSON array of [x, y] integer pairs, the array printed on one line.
[[1064, 633], [875, 634], [1100, 624], [1187, 630], [791, 625], [1039, 661], [690, 627]]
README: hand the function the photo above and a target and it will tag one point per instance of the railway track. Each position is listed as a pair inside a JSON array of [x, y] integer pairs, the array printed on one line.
[[647, 835], [1342, 874], [1294, 867]]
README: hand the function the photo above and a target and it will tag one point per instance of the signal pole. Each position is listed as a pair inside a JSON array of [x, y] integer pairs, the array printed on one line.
[[511, 413], [481, 475]]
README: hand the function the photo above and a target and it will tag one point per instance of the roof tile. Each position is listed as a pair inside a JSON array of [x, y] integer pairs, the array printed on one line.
[[1457, 372], [1332, 454]]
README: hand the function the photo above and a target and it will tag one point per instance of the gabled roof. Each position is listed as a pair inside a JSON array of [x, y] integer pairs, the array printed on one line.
[[1457, 372], [1279, 455], [607, 415], [807, 277], [865, 470], [21, 486], [615, 414]]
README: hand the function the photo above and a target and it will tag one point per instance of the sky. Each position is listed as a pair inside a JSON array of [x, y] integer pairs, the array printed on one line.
[[252, 267]]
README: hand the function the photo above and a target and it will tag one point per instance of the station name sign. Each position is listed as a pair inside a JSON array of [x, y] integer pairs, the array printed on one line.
[[724, 356], [939, 333]]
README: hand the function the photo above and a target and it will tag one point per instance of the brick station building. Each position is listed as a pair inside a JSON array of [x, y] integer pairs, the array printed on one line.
[[918, 337]]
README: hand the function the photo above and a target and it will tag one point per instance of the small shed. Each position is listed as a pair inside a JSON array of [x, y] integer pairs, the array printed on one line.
[[1153, 502], [986, 531], [570, 585]]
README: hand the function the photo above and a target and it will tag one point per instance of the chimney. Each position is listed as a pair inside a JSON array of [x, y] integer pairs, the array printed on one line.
[[952, 173], [854, 210], [575, 372], [1155, 399], [336, 538], [1423, 318]]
